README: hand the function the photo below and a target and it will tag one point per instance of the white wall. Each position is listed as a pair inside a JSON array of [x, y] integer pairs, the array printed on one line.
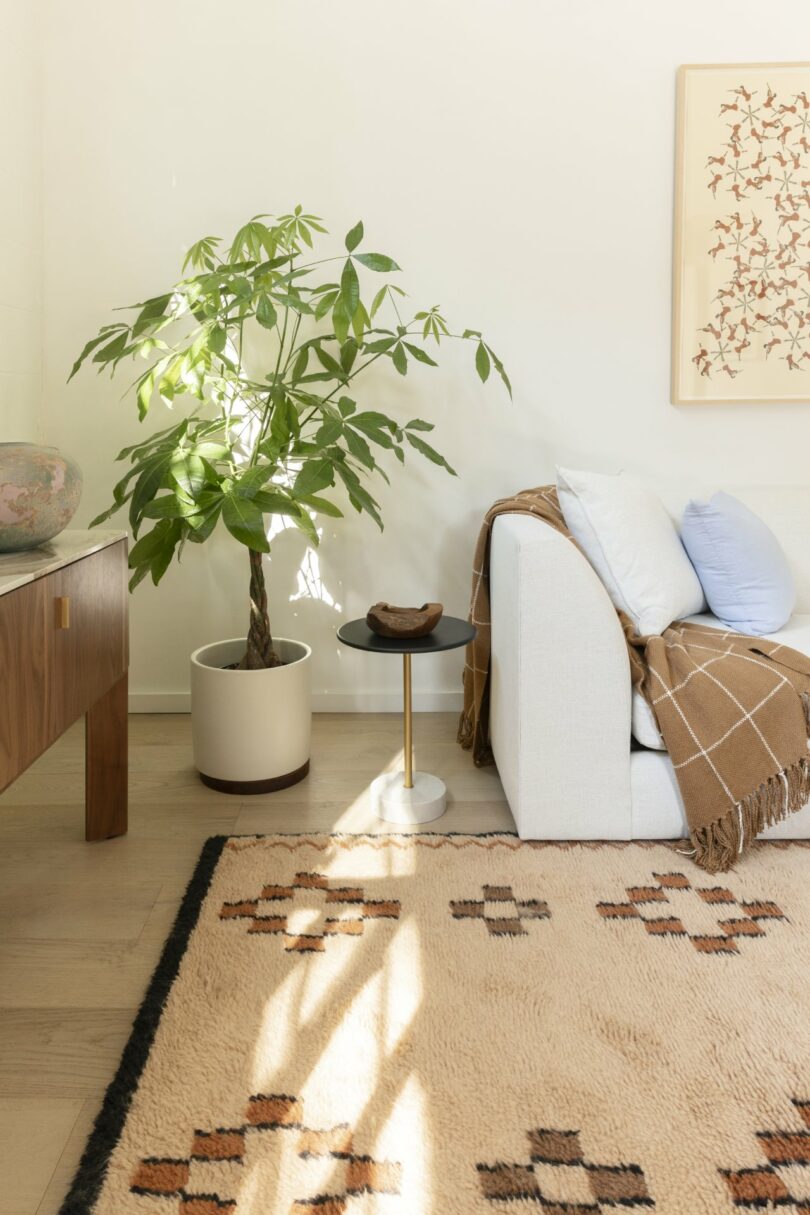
[[516, 157], [20, 222]]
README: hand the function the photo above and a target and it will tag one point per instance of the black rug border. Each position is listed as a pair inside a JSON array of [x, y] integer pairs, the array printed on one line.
[[109, 1124]]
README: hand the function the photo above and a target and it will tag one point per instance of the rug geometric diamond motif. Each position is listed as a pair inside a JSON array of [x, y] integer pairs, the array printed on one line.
[[673, 907], [783, 1183], [502, 913], [561, 1181], [207, 1181], [268, 913]]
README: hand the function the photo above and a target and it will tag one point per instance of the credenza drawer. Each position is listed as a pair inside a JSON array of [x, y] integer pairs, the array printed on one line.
[[24, 727], [87, 643], [63, 644]]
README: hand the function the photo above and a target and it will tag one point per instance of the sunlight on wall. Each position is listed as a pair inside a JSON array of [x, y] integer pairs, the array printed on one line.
[[310, 582]]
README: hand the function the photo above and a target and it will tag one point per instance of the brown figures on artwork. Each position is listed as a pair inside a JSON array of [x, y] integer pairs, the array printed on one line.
[[764, 251]]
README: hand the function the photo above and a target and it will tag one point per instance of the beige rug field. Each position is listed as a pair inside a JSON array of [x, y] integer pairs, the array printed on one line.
[[467, 1025]]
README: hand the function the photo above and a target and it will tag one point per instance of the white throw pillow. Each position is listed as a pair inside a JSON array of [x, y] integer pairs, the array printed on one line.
[[632, 543], [644, 727]]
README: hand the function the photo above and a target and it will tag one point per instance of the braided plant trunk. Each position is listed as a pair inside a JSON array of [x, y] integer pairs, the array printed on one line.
[[260, 653]]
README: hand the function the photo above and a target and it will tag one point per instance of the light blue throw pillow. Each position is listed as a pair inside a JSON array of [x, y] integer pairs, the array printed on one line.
[[742, 569]]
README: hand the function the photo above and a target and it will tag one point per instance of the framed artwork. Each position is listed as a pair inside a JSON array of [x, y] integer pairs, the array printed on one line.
[[741, 306]]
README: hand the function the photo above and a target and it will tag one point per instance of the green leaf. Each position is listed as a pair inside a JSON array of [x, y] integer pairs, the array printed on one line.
[[304, 523], [380, 345], [400, 359], [420, 355], [162, 560], [169, 507], [346, 406], [325, 303], [245, 521], [429, 452], [348, 354], [273, 502], [370, 420], [113, 349], [217, 339], [322, 505], [283, 423], [171, 434], [153, 552], [359, 497], [328, 433], [148, 546], [151, 311], [418, 424], [482, 363], [360, 321], [499, 367], [146, 387], [249, 482], [188, 471], [208, 521], [377, 302], [201, 252], [300, 364], [359, 448], [331, 365], [315, 475], [341, 320], [354, 237], [91, 345], [266, 312], [349, 288], [212, 451], [106, 514], [378, 262], [148, 483]]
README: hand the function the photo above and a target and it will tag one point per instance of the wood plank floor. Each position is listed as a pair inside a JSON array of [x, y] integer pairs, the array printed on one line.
[[82, 925]]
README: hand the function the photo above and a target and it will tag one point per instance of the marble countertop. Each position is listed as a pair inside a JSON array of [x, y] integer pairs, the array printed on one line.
[[17, 569]]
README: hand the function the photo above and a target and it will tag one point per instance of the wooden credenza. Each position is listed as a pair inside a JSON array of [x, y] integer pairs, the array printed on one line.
[[64, 652]]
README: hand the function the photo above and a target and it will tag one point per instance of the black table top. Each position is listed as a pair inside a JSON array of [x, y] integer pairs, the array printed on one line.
[[448, 634]]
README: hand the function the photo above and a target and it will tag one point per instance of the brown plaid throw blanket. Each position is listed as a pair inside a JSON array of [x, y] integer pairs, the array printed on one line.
[[734, 711]]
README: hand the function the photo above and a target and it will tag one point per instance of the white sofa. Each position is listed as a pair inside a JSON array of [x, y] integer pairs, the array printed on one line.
[[560, 693]]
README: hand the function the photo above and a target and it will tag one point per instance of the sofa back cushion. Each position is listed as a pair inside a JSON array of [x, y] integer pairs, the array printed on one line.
[[632, 543], [744, 572]]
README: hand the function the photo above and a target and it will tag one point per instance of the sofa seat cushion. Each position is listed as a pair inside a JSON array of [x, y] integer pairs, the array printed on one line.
[[796, 634]]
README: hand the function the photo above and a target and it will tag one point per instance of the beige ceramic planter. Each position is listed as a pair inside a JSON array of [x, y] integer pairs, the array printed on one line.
[[251, 729]]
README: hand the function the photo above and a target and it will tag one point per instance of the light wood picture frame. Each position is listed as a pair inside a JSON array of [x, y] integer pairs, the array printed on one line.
[[741, 250]]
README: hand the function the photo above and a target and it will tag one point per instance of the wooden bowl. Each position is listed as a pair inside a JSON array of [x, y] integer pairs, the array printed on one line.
[[388, 621]]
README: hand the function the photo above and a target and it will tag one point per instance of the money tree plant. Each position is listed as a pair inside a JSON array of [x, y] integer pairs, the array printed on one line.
[[263, 345]]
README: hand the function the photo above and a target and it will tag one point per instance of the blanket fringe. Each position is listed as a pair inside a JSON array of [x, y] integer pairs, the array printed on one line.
[[718, 845], [466, 729]]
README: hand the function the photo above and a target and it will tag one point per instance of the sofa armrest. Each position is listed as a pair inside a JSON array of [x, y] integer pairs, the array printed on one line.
[[560, 692]]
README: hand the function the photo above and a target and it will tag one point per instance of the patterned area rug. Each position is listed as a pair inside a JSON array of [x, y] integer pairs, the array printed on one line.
[[467, 1025]]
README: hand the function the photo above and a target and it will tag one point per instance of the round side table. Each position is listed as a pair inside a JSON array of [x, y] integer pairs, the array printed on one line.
[[408, 797]]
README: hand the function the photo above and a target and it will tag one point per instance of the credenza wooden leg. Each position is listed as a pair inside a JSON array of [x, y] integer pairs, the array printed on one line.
[[106, 764]]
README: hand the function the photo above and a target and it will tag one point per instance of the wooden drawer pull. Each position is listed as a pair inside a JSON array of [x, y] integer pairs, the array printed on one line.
[[62, 605]]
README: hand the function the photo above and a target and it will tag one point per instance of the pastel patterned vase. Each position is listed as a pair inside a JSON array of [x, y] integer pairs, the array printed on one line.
[[39, 493]]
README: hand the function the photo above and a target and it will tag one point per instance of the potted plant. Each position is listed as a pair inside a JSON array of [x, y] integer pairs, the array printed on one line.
[[262, 343]]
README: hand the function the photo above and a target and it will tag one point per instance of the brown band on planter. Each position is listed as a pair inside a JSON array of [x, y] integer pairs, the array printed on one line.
[[247, 787]]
